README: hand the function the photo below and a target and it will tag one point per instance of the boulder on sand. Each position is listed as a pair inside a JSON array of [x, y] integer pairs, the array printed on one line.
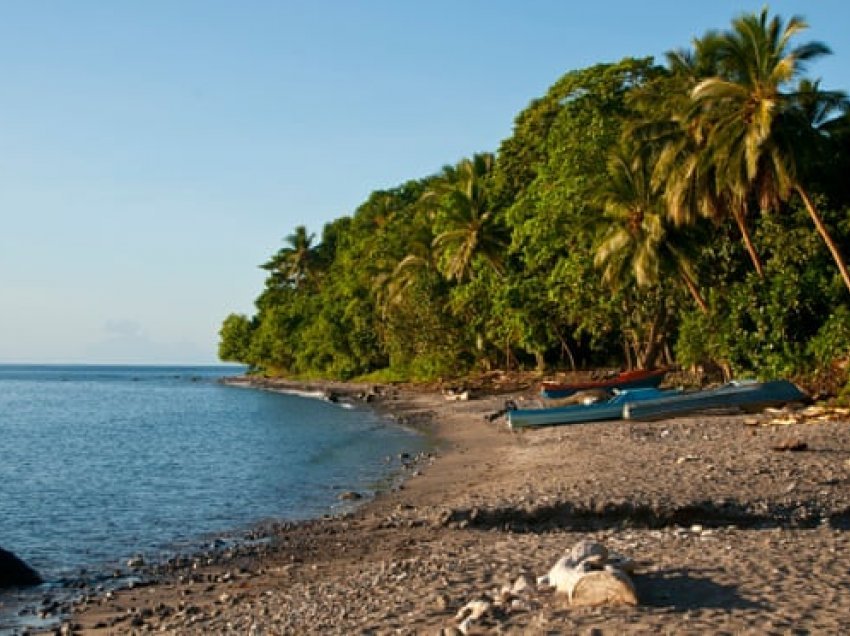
[[14, 572]]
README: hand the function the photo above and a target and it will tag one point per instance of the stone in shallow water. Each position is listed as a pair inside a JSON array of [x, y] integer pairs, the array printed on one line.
[[14, 572]]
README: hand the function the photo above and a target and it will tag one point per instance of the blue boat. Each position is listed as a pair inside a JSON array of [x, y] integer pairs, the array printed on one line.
[[741, 395], [611, 409]]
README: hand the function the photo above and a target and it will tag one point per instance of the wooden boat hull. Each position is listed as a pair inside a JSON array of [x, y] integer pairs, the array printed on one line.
[[630, 380], [577, 413], [732, 396]]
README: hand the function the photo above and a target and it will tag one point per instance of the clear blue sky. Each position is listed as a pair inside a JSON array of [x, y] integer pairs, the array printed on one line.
[[154, 153]]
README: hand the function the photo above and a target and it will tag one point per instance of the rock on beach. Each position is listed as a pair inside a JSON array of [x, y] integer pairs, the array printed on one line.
[[14, 572]]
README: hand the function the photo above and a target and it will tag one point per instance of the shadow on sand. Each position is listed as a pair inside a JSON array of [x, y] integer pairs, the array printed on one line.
[[680, 590]]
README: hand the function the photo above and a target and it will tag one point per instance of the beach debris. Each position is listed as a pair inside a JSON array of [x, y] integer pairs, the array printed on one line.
[[791, 444], [490, 608], [521, 585], [790, 416], [590, 576], [456, 395], [510, 405], [136, 561], [585, 397], [349, 495], [472, 612]]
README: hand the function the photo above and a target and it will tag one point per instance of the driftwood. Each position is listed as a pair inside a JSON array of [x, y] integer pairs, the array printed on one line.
[[589, 575], [493, 607], [510, 405], [791, 444], [456, 395], [587, 396]]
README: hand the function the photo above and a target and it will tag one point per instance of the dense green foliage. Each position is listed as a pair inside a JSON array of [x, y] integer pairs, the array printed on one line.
[[640, 214]]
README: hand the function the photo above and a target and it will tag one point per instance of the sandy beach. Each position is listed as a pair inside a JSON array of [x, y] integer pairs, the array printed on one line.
[[729, 534]]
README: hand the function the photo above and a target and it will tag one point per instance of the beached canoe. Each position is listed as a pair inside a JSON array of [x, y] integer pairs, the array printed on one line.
[[638, 379], [742, 395], [611, 409]]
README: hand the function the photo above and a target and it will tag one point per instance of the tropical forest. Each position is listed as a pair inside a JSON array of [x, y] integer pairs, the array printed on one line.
[[694, 212]]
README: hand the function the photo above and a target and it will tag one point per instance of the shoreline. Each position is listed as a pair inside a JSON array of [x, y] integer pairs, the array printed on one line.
[[43, 609], [708, 511]]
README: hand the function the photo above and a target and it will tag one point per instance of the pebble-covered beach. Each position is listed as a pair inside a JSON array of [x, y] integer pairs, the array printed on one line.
[[731, 531]]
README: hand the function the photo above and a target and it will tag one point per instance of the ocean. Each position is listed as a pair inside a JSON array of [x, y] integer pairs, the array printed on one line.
[[102, 463]]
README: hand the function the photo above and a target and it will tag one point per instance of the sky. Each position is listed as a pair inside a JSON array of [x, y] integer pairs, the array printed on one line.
[[154, 153]]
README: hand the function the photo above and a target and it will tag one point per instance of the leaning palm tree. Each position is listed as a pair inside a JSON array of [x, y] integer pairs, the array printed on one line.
[[471, 231], [753, 137], [693, 189], [682, 171]]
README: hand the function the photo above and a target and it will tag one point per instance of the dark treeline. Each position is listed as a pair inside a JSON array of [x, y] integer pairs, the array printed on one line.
[[695, 212]]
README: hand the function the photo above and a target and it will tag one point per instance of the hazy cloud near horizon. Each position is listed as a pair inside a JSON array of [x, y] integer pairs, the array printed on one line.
[[127, 342]]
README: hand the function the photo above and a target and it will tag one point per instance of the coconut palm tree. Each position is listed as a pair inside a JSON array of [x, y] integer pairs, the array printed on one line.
[[291, 264], [638, 244], [753, 136], [471, 231], [391, 286], [823, 142], [682, 172]]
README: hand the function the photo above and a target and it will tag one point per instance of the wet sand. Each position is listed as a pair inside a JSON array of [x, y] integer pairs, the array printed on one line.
[[729, 535]]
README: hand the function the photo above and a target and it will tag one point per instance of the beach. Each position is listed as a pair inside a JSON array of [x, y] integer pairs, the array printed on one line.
[[729, 534]]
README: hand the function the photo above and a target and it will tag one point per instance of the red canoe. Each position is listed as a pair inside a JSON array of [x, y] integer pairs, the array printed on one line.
[[638, 379]]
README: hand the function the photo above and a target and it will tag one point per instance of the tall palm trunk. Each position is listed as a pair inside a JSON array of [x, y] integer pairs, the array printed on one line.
[[748, 241], [824, 233], [694, 290]]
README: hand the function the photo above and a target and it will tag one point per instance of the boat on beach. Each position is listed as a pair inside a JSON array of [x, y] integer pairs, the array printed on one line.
[[611, 409], [734, 396], [637, 379]]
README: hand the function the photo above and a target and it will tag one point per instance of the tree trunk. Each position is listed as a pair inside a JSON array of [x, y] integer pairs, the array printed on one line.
[[824, 234], [565, 348], [654, 347], [507, 356], [655, 339], [748, 241], [668, 355], [694, 290], [540, 360]]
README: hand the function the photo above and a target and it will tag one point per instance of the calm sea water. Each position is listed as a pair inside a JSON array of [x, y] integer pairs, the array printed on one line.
[[102, 463]]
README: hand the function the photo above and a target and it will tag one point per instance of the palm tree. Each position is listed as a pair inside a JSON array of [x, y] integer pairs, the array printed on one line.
[[688, 180], [392, 286], [291, 264], [472, 232], [638, 243], [693, 190], [822, 141], [753, 137]]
